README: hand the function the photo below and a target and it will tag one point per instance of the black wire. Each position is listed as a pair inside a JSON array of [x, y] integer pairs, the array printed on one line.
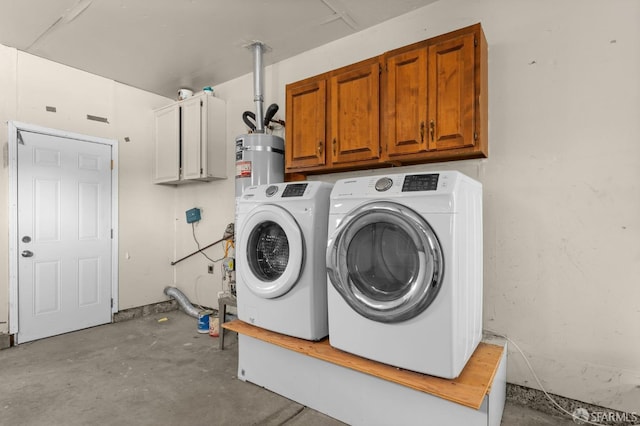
[[193, 229]]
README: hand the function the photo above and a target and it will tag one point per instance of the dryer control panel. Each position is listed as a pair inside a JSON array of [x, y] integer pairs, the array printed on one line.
[[294, 190], [430, 184], [422, 182]]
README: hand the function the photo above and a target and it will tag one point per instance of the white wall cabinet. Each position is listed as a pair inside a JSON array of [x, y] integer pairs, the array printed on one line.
[[190, 141]]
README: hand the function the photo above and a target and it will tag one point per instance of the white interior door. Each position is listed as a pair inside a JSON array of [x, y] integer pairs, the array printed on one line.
[[64, 231]]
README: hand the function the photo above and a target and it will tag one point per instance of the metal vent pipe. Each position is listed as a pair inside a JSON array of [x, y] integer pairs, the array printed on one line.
[[258, 83], [182, 300]]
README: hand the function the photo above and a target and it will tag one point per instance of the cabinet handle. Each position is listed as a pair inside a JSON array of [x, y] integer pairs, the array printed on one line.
[[334, 147], [432, 129], [320, 148], [421, 131]]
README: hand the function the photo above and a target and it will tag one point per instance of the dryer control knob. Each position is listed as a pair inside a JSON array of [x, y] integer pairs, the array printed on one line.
[[383, 184], [271, 190]]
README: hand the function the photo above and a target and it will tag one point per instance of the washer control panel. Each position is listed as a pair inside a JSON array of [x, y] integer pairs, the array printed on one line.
[[422, 182], [294, 190], [271, 190], [383, 184]]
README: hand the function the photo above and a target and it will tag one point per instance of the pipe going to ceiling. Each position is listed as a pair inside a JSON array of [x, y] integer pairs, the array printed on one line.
[[258, 83]]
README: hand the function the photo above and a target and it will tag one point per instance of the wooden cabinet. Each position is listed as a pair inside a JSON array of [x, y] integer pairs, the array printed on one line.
[[435, 99], [190, 141], [334, 119], [420, 103]]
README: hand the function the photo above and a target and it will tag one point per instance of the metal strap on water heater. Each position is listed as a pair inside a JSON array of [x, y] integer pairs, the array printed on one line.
[[262, 148]]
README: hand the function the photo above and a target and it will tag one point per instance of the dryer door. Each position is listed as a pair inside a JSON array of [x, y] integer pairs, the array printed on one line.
[[386, 262], [273, 251]]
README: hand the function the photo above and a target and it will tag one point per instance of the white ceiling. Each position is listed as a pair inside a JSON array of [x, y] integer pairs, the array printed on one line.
[[163, 45]]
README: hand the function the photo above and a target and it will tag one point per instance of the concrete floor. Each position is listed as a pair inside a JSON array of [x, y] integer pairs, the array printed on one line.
[[145, 372]]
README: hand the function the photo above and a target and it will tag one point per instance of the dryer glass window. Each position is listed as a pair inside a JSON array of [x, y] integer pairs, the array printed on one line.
[[383, 261], [268, 251]]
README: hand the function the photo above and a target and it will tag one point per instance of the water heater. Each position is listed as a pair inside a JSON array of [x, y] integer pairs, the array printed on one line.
[[259, 160]]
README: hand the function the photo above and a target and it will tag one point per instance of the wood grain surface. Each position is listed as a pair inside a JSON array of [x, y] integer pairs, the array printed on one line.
[[469, 389]]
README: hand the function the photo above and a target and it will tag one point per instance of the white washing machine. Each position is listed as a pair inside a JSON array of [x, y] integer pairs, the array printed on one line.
[[281, 279], [404, 260]]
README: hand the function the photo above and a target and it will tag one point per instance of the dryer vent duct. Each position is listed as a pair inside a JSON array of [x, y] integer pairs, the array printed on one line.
[[182, 300]]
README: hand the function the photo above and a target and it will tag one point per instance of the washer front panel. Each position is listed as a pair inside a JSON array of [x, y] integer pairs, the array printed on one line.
[[274, 251], [386, 262]]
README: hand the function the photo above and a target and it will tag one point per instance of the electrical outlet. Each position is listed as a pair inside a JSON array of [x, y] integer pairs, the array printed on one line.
[[210, 269]]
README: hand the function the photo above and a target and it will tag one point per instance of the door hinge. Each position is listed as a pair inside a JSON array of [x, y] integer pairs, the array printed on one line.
[[475, 136], [112, 233], [201, 103], [112, 163], [112, 302], [475, 41]]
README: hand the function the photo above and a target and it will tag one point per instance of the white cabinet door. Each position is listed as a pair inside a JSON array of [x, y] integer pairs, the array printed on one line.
[[214, 146], [167, 145], [192, 138]]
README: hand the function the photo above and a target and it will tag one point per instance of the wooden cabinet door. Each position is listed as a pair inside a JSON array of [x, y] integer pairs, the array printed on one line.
[[354, 113], [306, 124], [451, 93], [404, 109]]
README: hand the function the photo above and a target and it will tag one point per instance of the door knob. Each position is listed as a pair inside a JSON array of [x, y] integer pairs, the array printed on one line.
[[27, 253]]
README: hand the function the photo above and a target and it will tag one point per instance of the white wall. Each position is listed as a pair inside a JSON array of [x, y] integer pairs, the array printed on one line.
[[152, 232], [562, 181], [561, 184], [28, 85], [146, 211], [8, 61]]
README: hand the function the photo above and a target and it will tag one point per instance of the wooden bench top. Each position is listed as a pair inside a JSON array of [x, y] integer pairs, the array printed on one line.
[[469, 389]]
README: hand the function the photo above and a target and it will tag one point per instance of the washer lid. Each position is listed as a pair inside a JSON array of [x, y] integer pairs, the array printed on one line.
[[385, 261], [273, 251]]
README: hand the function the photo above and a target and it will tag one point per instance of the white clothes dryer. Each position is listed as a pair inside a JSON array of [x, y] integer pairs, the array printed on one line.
[[281, 279], [404, 260]]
